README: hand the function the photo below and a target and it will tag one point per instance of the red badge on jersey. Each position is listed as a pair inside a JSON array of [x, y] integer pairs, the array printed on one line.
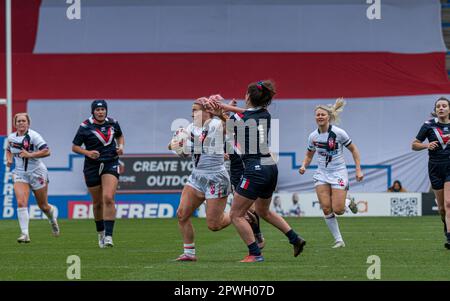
[[331, 143]]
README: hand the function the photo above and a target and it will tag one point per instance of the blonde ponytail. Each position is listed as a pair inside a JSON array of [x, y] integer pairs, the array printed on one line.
[[333, 110]]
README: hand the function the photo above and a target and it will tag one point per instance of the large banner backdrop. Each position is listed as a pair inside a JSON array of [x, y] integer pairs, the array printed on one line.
[[150, 59]]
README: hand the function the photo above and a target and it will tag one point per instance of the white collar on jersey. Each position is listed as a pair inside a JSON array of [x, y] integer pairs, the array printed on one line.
[[91, 119], [254, 109], [436, 120]]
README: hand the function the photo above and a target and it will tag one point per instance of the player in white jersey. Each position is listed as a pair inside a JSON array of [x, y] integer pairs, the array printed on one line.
[[331, 177], [209, 179], [26, 147]]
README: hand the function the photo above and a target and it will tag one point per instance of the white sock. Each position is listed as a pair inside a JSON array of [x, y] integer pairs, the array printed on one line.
[[332, 224], [24, 219], [49, 214], [189, 249], [347, 202]]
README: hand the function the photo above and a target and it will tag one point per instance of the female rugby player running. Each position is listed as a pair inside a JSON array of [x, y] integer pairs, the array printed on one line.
[[101, 166], [437, 131], [260, 175], [27, 147], [331, 177], [209, 179]]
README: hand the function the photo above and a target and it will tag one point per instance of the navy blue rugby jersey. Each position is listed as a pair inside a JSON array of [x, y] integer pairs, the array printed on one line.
[[440, 132], [99, 137], [252, 136]]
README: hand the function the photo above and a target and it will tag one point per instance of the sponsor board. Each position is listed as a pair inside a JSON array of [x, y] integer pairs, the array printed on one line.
[[369, 204], [153, 173], [83, 210], [127, 206], [429, 204]]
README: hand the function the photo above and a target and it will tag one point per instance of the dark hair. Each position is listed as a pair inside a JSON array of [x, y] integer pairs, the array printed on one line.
[[434, 109], [398, 182], [261, 93]]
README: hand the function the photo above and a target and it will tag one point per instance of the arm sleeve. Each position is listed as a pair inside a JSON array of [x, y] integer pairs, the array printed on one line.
[[117, 130], [344, 138], [38, 141], [79, 137], [311, 146], [422, 135], [8, 148]]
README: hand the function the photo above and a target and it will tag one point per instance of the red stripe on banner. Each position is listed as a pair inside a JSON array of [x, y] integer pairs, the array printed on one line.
[[187, 76], [25, 16]]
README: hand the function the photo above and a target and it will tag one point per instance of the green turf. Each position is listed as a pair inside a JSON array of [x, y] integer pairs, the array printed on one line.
[[409, 249]]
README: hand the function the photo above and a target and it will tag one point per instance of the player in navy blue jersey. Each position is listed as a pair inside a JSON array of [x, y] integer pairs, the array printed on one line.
[[437, 131], [236, 172], [103, 144], [260, 175]]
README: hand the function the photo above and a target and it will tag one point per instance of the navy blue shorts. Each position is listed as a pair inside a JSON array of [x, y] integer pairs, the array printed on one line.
[[93, 171], [439, 173], [258, 180]]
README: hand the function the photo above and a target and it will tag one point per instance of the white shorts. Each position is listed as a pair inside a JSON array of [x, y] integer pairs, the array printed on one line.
[[213, 184], [337, 179], [36, 178]]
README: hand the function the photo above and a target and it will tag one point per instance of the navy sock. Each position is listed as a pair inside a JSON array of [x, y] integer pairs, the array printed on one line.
[[253, 249], [445, 224], [292, 236], [255, 226], [109, 226], [100, 225], [448, 236]]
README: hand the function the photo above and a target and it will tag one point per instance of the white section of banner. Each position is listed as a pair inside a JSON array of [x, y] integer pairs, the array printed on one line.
[[382, 129], [412, 26], [369, 204]]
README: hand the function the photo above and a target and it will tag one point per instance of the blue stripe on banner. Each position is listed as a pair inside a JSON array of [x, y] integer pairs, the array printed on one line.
[[8, 202]]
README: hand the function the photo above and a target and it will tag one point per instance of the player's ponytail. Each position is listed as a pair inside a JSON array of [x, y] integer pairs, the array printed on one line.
[[336, 110], [333, 110]]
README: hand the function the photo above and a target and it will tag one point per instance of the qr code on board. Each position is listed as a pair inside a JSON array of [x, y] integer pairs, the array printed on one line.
[[404, 207]]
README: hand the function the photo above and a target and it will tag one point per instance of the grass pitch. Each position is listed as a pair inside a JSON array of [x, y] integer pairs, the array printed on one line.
[[410, 248]]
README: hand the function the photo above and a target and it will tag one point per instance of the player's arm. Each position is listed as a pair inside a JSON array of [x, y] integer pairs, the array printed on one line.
[[234, 109], [418, 145], [120, 144], [9, 158], [91, 154], [45, 152], [307, 161], [42, 152], [357, 158]]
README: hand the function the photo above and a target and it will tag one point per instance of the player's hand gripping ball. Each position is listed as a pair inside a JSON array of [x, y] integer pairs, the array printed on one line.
[[178, 143]]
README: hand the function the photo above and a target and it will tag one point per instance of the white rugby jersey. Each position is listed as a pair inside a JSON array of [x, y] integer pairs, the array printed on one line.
[[207, 145], [32, 141], [329, 147]]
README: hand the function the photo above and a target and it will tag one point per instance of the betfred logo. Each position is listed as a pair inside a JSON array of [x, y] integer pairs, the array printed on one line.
[[83, 210]]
